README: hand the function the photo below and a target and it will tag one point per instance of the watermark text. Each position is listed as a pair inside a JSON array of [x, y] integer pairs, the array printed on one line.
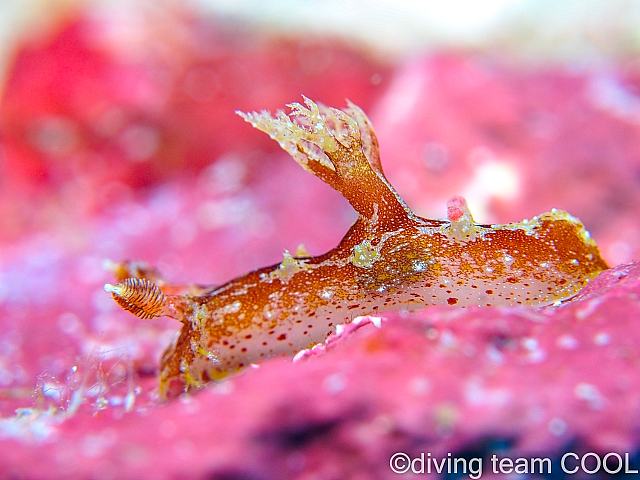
[[570, 463]]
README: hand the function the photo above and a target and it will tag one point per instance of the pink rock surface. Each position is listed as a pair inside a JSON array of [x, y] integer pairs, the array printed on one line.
[[517, 141], [110, 103], [514, 380], [469, 381]]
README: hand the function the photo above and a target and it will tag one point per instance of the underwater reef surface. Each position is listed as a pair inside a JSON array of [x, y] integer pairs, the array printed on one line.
[[120, 150]]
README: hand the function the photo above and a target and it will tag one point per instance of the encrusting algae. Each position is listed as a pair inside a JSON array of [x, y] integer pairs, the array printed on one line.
[[389, 259]]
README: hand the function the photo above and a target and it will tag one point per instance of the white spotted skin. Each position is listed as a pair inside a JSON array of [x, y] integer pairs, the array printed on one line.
[[262, 315]]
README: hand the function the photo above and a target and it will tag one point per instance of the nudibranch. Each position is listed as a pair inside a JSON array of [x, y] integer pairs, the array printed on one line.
[[389, 259]]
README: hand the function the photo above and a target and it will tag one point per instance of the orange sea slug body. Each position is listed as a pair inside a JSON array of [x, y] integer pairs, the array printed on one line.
[[389, 259]]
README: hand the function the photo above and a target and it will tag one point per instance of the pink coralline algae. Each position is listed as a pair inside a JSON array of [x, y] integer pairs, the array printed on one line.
[[516, 381], [473, 382], [516, 141], [83, 124]]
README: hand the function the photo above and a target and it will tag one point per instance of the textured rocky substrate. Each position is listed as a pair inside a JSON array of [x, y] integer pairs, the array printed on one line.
[[119, 149]]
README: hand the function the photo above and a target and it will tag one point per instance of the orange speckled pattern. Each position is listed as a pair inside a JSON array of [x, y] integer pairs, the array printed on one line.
[[390, 259]]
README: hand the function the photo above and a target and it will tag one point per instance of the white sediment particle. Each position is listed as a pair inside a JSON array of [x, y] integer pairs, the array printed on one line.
[[590, 394], [557, 426], [447, 339], [477, 394], [567, 342], [495, 355], [601, 339], [130, 401], [535, 353], [335, 383]]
